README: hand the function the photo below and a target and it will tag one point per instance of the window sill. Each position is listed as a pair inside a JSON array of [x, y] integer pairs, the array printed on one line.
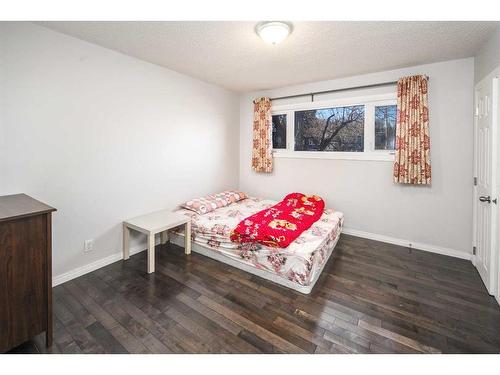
[[372, 156]]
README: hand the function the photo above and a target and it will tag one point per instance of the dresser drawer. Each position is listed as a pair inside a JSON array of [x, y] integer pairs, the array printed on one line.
[[23, 280]]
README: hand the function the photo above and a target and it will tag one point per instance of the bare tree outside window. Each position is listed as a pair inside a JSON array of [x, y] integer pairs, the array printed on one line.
[[279, 131], [385, 127], [331, 129]]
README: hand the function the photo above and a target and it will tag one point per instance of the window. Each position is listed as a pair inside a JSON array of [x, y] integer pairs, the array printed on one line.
[[330, 129], [356, 128], [385, 127], [279, 131]]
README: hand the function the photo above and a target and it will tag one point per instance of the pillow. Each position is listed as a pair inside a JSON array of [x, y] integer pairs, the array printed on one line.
[[212, 202]]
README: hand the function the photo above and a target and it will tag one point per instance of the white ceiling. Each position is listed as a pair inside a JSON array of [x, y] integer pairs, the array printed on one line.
[[231, 55]]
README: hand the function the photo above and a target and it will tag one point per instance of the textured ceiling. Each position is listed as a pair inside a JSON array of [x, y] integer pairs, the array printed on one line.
[[231, 55]]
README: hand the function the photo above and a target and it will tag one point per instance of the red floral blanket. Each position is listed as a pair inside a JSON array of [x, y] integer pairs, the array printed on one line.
[[281, 224]]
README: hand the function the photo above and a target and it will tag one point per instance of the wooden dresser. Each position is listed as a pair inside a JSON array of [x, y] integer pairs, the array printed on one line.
[[25, 270]]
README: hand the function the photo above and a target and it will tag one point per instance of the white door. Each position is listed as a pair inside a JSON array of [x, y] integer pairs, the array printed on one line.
[[485, 199]]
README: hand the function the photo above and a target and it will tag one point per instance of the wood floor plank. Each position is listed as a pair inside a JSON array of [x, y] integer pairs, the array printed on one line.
[[63, 339], [303, 333], [372, 297], [134, 334], [96, 310], [252, 327], [398, 338], [210, 314], [106, 339]]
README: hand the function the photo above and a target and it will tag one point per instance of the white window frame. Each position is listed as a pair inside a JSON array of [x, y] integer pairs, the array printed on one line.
[[369, 153]]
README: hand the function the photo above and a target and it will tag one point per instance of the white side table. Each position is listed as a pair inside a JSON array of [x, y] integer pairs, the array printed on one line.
[[151, 224]]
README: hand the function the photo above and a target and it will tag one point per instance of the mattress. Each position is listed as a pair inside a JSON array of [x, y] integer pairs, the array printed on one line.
[[300, 262]]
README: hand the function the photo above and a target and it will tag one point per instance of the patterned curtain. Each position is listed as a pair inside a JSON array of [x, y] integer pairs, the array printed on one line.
[[413, 163], [262, 152]]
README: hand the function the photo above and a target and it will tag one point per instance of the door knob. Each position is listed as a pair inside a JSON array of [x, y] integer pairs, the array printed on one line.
[[482, 198]]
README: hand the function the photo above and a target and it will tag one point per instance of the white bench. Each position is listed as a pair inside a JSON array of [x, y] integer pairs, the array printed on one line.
[[151, 224]]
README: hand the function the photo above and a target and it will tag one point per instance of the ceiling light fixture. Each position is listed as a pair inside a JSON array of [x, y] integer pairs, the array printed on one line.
[[273, 32]]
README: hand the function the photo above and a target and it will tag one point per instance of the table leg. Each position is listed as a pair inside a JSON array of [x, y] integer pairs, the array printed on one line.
[[151, 253], [164, 237], [187, 238], [126, 242]]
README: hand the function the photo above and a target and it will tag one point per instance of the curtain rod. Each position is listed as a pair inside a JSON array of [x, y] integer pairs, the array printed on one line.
[[311, 94]]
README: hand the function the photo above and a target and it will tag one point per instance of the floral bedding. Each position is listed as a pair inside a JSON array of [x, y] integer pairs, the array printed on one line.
[[281, 224], [299, 262]]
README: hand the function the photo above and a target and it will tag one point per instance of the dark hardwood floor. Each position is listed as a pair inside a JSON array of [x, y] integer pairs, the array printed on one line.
[[371, 298]]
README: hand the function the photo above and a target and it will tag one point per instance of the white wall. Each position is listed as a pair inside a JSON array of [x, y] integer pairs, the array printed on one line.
[[103, 137], [437, 216], [488, 57]]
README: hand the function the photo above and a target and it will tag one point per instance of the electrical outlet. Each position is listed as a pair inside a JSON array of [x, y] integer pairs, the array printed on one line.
[[88, 245]]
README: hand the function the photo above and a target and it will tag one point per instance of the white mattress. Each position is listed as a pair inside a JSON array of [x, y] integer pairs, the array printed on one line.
[[299, 263]]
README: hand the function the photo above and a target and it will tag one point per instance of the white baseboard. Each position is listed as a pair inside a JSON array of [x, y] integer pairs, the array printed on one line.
[[73, 274], [80, 271], [407, 243]]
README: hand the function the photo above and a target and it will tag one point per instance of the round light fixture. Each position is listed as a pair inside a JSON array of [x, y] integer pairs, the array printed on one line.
[[273, 32]]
